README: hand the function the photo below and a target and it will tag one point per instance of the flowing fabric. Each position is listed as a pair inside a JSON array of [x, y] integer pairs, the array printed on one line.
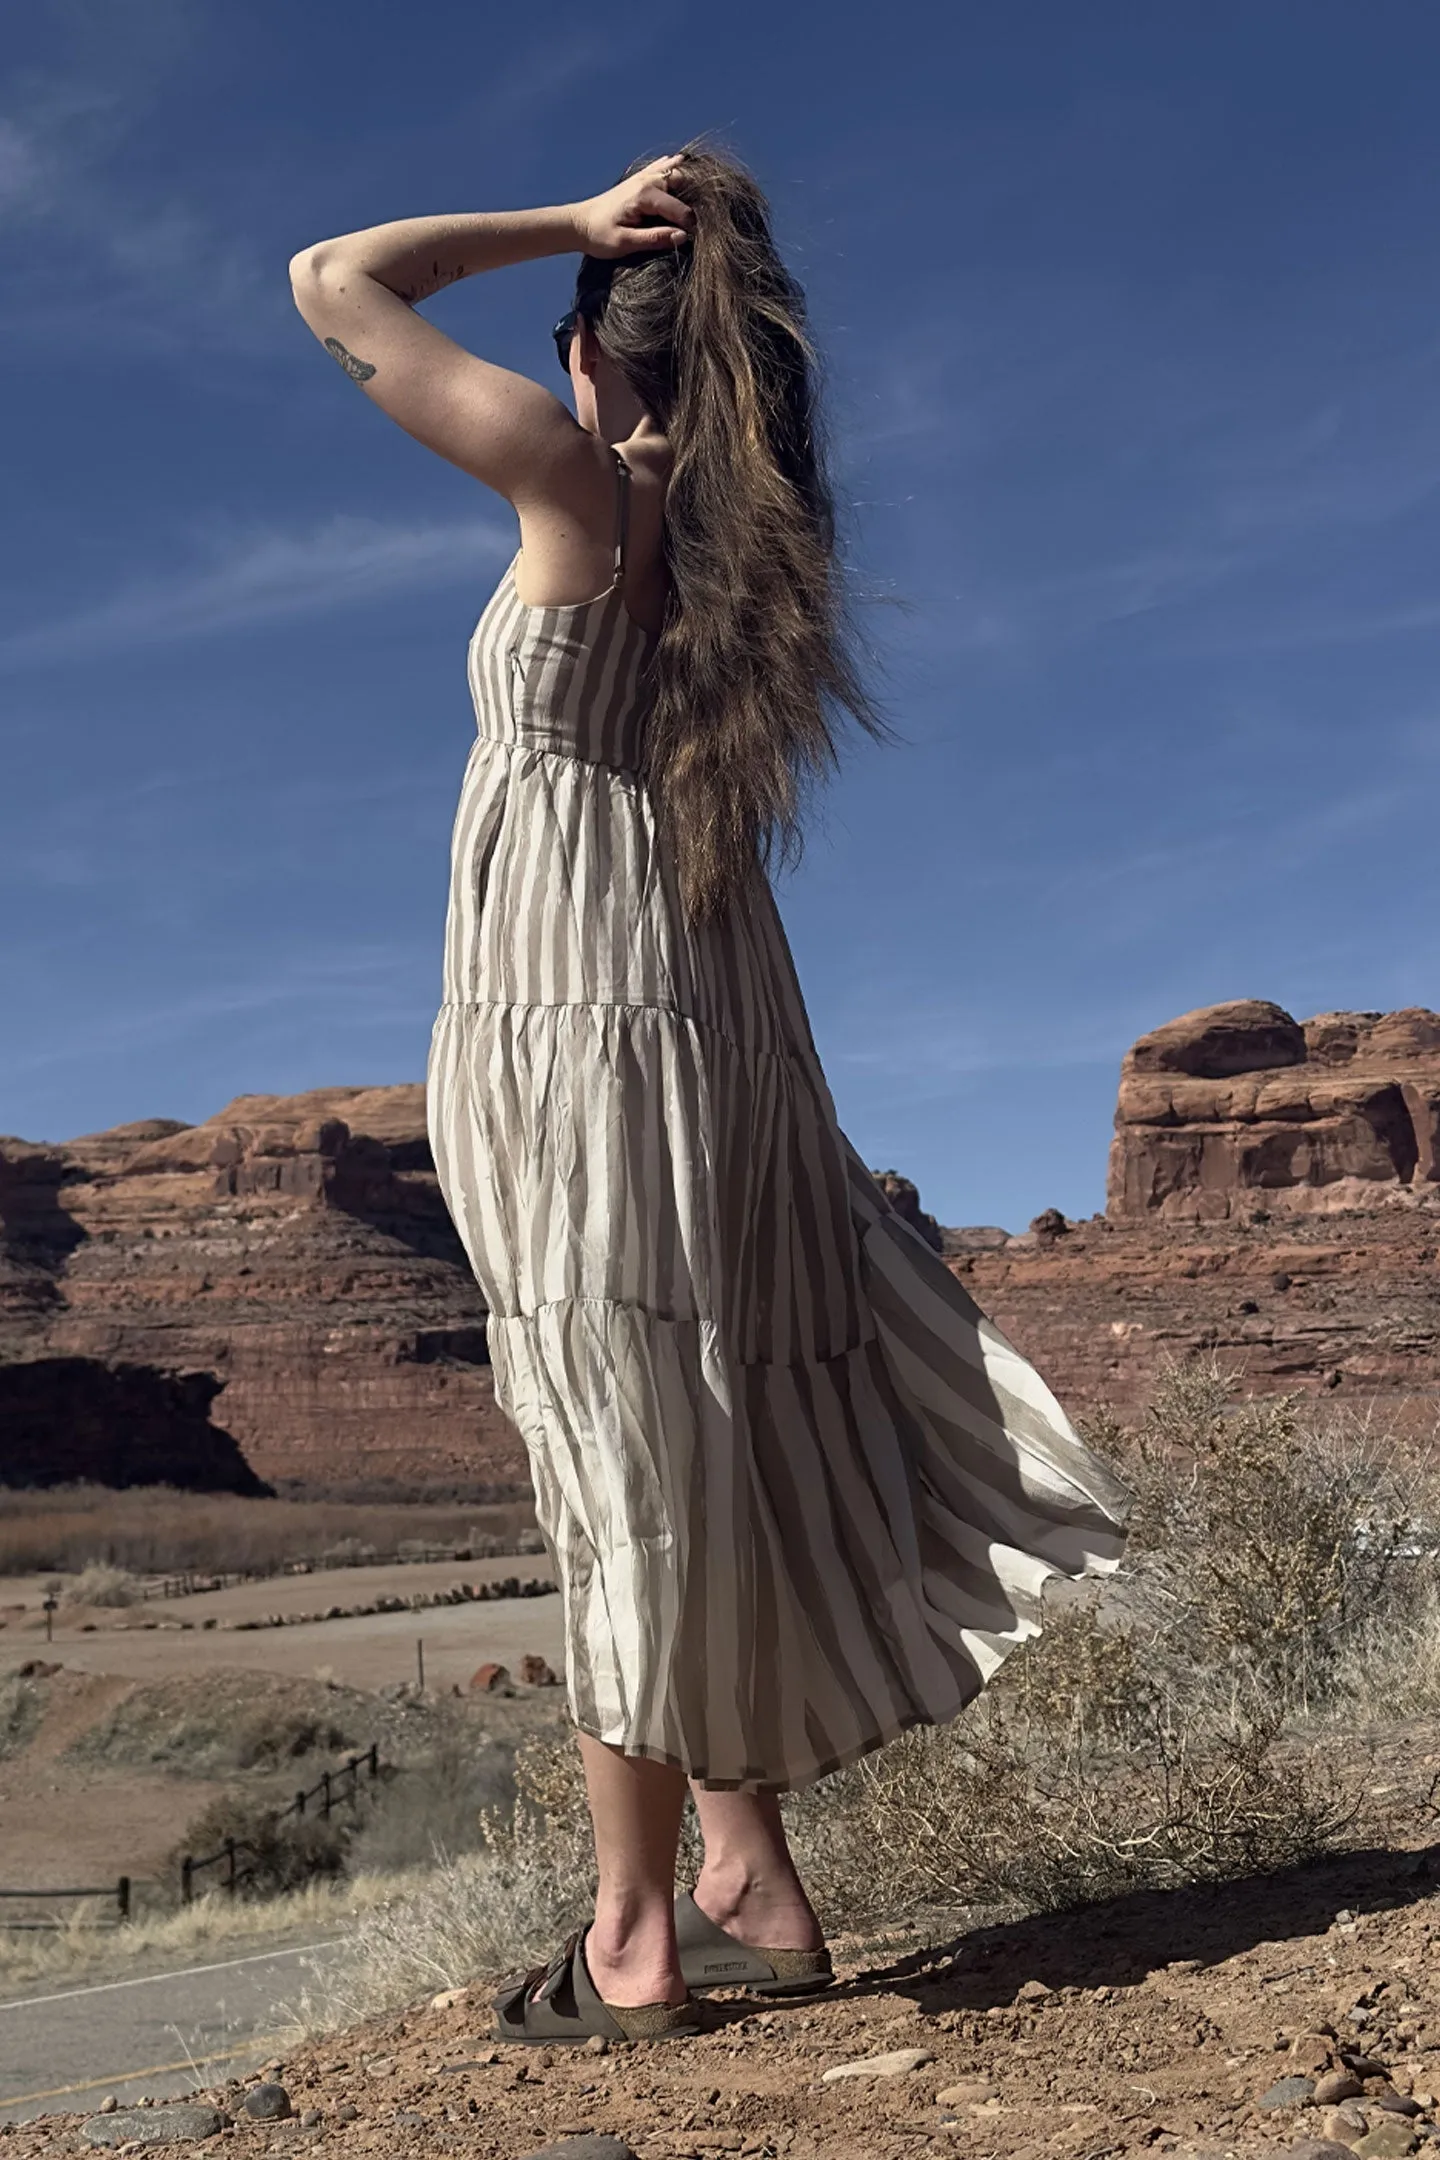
[[800, 1494]]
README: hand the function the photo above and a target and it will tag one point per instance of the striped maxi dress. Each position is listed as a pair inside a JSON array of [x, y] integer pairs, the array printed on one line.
[[799, 1492]]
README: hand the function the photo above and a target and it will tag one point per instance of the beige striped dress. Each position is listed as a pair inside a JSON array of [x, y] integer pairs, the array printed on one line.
[[799, 1492]]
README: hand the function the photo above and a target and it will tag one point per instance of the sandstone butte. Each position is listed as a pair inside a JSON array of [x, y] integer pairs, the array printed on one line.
[[278, 1296]]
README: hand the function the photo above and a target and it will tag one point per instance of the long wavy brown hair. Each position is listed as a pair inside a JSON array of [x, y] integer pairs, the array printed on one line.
[[754, 663]]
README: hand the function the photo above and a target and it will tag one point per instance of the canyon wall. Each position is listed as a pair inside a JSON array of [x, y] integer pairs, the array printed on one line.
[[1274, 1197], [295, 1249], [278, 1294], [1239, 1104]]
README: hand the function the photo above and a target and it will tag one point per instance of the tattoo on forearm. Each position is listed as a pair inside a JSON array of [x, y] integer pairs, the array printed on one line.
[[357, 370]]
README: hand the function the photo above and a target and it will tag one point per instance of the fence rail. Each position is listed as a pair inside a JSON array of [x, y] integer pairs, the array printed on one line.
[[333, 1788], [119, 1891]]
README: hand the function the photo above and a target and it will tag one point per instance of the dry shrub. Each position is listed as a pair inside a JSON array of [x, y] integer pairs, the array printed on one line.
[[271, 1737], [22, 1704], [274, 1853], [433, 1809], [1268, 1535], [991, 1812], [1085, 1673], [100, 1584]]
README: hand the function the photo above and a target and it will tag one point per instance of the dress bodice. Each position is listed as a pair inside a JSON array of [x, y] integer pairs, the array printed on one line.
[[569, 679]]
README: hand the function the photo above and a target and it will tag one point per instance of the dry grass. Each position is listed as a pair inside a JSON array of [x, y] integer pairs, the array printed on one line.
[[1178, 1728], [82, 1946], [480, 1912], [154, 1530]]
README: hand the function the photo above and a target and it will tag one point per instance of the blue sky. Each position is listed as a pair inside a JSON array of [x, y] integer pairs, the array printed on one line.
[[1132, 318]]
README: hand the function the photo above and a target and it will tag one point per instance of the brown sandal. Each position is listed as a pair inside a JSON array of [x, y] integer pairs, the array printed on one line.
[[709, 1958], [559, 2002]]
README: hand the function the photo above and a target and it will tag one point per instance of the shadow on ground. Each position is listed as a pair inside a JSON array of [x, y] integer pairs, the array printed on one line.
[[1118, 1942]]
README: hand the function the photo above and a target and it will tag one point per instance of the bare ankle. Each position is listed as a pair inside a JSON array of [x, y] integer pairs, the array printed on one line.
[[632, 1955], [765, 1908]]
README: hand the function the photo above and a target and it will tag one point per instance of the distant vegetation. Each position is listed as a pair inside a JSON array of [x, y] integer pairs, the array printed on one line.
[[155, 1530]]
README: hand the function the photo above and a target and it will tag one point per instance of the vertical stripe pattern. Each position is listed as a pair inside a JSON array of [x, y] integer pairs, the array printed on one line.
[[799, 1492]]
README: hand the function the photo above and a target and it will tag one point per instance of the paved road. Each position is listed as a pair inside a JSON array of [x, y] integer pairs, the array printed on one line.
[[67, 2047]]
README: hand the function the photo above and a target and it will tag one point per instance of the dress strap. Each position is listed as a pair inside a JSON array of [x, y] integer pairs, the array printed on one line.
[[622, 514]]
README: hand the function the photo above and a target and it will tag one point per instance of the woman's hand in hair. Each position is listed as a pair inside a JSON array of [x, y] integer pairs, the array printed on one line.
[[639, 213]]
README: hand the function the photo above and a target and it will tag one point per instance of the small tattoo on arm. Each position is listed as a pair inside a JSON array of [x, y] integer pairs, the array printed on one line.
[[357, 370]]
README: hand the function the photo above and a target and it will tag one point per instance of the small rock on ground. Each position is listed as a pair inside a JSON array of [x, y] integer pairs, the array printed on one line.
[[970, 2092], [1288, 2092], [1389, 2140], [1345, 2125], [895, 2064], [182, 2125], [1335, 2086], [1316, 2149], [1392, 2102], [267, 2103]]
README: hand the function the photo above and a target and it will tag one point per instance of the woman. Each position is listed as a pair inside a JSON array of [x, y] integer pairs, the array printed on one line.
[[799, 1493]]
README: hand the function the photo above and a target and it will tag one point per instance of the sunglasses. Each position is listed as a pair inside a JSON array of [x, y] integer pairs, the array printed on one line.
[[564, 336]]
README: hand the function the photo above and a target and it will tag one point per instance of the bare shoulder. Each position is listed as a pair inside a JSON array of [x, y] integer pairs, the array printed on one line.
[[570, 519]]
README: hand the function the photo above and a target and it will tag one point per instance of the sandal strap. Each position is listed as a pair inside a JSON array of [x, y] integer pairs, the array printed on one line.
[[538, 2009], [712, 1958]]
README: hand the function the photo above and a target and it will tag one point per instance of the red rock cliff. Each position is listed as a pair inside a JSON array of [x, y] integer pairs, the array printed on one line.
[[294, 1248], [1236, 1102], [1274, 1197]]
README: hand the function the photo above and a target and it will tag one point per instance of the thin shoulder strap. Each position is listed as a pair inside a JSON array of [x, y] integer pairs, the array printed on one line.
[[622, 514]]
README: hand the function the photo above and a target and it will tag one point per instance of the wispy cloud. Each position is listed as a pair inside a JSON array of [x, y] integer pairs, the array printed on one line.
[[267, 577], [142, 266], [360, 990]]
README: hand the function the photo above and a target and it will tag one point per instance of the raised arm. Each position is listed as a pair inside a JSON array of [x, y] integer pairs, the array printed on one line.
[[359, 294]]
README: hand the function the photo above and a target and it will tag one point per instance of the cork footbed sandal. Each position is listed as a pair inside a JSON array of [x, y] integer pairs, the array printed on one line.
[[709, 1958], [559, 2002]]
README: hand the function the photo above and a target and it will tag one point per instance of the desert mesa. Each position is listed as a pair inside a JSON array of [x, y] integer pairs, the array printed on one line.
[[277, 1298]]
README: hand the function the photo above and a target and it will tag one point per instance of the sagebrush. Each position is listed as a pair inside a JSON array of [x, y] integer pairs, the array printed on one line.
[[1173, 1726]]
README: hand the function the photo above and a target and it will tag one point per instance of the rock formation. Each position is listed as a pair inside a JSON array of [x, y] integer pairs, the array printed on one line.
[[294, 1249], [1238, 1101], [67, 1420], [1274, 1197]]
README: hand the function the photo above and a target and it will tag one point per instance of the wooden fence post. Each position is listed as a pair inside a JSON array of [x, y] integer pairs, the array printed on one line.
[[187, 1880], [122, 1896], [230, 1857]]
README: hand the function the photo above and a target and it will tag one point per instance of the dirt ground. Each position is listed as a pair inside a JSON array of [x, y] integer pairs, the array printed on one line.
[[1155, 2023], [372, 1651], [117, 1768]]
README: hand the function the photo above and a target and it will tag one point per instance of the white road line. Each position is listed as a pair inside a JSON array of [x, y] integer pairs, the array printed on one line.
[[104, 1987]]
